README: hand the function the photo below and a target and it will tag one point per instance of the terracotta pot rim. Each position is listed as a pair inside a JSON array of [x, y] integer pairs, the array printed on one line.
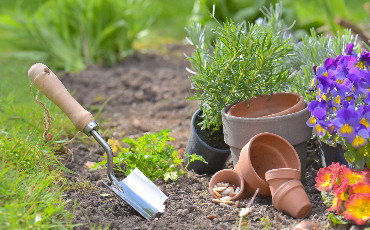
[[285, 111], [241, 181], [288, 173], [263, 119], [275, 136]]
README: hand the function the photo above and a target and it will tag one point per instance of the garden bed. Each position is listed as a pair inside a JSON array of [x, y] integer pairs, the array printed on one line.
[[147, 93]]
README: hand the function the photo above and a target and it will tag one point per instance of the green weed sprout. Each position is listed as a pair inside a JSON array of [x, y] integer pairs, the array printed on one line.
[[151, 154]]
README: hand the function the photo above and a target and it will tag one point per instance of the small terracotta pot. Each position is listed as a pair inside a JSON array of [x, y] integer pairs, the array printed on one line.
[[292, 199], [228, 176], [276, 177], [277, 104], [265, 151]]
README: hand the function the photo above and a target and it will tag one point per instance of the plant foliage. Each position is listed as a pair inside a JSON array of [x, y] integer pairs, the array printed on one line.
[[245, 61], [149, 153], [71, 34]]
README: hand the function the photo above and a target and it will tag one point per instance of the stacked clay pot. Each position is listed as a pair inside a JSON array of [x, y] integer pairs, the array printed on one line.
[[270, 163], [288, 194]]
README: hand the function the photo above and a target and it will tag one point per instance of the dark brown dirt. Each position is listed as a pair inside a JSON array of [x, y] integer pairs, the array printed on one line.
[[146, 93]]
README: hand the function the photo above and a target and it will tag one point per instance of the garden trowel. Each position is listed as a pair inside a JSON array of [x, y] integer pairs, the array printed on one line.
[[136, 189]]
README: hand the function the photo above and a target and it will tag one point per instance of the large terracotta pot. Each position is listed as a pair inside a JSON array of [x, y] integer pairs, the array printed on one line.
[[265, 151], [215, 157], [292, 199], [227, 176], [292, 127]]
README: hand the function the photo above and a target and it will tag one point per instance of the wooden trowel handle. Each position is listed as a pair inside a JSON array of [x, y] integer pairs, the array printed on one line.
[[49, 84]]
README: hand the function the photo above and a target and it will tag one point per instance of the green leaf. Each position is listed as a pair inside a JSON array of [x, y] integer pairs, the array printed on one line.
[[350, 155]]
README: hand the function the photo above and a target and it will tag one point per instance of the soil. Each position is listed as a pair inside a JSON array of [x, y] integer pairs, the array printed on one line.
[[212, 138], [147, 93]]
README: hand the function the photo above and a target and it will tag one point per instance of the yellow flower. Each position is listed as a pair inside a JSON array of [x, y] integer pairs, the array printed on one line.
[[114, 144]]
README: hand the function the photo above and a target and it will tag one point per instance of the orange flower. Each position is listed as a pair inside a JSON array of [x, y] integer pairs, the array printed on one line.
[[352, 176], [340, 195], [358, 208], [360, 188], [326, 177]]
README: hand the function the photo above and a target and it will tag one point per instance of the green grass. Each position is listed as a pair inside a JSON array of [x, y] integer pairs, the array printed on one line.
[[30, 197]]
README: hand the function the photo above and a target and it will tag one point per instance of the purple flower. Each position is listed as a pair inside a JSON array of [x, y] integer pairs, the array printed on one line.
[[346, 122], [349, 50], [367, 99], [364, 116], [364, 83], [319, 130], [342, 105], [364, 60], [359, 139], [328, 63], [318, 112]]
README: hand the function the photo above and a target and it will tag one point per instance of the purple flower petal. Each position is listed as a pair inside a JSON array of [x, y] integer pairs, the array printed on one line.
[[312, 106], [328, 63], [367, 99], [349, 48], [319, 113]]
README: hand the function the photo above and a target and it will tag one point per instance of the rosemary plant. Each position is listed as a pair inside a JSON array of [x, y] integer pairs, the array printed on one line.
[[246, 60]]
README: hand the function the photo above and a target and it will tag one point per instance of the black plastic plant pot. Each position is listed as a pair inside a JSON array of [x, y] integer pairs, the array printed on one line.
[[331, 154], [215, 157]]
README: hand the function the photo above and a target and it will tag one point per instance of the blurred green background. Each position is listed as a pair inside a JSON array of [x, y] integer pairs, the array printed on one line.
[[72, 34]]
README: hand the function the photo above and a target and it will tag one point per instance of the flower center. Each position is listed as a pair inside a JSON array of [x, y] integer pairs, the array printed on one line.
[[360, 65], [358, 141], [319, 130], [312, 120], [346, 128], [364, 122]]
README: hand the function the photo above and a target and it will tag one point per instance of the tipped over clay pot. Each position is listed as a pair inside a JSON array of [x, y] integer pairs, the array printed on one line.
[[227, 176], [276, 177], [292, 199], [277, 104], [265, 151]]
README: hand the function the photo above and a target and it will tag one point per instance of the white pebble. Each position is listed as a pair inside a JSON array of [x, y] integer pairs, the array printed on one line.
[[226, 191], [219, 189], [225, 198], [244, 211], [237, 190]]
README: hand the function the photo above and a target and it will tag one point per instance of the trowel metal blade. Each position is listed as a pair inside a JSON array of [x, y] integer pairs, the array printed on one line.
[[141, 193]]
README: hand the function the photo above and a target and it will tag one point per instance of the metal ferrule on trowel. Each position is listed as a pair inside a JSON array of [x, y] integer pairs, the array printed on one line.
[[136, 189]]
